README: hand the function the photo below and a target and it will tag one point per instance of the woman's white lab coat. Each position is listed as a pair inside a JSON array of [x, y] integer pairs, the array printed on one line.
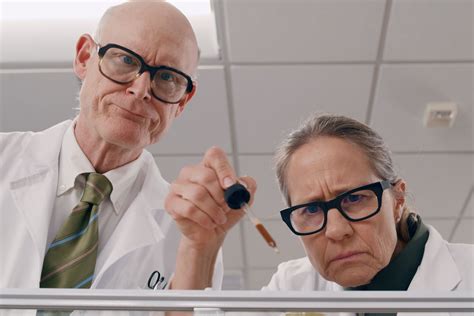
[[144, 241], [444, 267]]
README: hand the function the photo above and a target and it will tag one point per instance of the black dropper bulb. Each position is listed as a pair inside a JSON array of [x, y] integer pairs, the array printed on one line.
[[236, 195]]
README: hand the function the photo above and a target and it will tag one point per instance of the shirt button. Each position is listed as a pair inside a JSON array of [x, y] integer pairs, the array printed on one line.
[[62, 187]]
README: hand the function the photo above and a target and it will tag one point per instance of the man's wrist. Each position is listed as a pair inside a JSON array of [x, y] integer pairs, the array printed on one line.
[[195, 266], [207, 247]]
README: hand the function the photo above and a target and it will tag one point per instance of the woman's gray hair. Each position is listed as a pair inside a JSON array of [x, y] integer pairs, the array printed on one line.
[[348, 129]]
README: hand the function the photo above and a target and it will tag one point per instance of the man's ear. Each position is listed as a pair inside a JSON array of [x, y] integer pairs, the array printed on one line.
[[84, 47], [182, 104]]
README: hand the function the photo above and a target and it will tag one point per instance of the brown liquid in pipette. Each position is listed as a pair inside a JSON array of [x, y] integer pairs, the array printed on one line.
[[266, 235]]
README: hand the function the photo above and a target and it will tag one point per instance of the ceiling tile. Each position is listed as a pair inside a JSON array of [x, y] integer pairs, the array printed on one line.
[[437, 184], [260, 255], [257, 278], [469, 211], [297, 30], [402, 94], [205, 120], [271, 100], [443, 226], [33, 101], [464, 232], [268, 200], [430, 30]]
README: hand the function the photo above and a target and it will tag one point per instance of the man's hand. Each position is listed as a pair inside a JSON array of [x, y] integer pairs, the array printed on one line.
[[196, 202], [196, 199]]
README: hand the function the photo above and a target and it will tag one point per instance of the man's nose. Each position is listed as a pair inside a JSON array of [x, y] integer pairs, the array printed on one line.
[[337, 226], [141, 87]]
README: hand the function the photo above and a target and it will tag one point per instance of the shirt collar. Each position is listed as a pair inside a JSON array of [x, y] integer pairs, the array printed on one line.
[[123, 180], [73, 162]]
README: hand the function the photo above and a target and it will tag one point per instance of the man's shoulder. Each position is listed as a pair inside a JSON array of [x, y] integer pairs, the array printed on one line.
[[14, 145], [14, 139]]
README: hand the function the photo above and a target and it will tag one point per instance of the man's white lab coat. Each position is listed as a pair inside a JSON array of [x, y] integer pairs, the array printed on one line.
[[144, 241]]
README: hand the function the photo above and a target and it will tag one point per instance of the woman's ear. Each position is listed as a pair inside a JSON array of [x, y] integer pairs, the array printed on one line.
[[399, 192], [84, 47]]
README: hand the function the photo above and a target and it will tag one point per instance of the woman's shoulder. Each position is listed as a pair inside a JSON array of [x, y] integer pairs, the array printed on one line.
[[463, 255], [460, 251], [460, 248], [296, 266], [289, 275], [457, 257], [297, 275]]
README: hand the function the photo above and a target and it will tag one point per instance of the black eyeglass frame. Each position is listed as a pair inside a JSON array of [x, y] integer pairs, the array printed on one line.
[[376, 187], [144, 67]]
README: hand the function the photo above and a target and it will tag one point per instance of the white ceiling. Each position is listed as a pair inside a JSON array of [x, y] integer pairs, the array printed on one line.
[[272, 99], [377, 61], [297, 31]]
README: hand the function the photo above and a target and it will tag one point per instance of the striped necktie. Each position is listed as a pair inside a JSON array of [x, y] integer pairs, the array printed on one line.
[[71, 257]]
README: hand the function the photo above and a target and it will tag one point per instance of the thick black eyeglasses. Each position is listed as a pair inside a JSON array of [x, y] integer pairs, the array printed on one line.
[[355, 205], [122, 65]]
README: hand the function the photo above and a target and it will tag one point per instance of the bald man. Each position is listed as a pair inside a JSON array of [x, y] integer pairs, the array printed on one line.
[[82, 203]]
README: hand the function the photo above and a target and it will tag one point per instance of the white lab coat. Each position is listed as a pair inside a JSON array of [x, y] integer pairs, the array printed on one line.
[[144, 241], [444, 267]]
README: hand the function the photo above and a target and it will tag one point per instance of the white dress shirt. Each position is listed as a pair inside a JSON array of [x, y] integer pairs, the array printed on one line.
[[72, 163]]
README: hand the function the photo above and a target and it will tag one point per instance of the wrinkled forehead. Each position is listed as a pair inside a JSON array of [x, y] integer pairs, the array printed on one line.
[[327, 164]]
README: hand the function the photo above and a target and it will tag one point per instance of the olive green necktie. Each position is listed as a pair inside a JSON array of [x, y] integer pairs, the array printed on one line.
[[71, 257]]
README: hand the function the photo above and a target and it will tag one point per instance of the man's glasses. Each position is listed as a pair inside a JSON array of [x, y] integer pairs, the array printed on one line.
[[355, 205], [121, 65]]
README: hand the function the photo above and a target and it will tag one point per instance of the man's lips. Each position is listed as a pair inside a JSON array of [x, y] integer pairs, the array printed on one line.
[[132, 115]]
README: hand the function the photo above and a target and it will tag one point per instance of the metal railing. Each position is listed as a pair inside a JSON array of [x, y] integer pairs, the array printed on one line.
[[142, 300]]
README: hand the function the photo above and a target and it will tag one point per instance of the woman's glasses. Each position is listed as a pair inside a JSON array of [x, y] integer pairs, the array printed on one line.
[[355, 205]]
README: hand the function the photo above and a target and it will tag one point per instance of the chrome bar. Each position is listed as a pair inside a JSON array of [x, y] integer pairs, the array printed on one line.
[[145, 300]]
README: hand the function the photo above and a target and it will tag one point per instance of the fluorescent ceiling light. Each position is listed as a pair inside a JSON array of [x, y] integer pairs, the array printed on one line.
[[43, 33], [85, 9]]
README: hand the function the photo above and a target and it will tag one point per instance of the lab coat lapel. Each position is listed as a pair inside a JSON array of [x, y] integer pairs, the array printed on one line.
[[437, 271], [34, 197], [138, 227], [33, 189]]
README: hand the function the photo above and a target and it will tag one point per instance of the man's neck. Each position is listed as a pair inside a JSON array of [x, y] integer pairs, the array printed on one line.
[[102, 155]]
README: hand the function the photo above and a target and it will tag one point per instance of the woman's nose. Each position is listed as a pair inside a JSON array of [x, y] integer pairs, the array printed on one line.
[[337, 226]]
